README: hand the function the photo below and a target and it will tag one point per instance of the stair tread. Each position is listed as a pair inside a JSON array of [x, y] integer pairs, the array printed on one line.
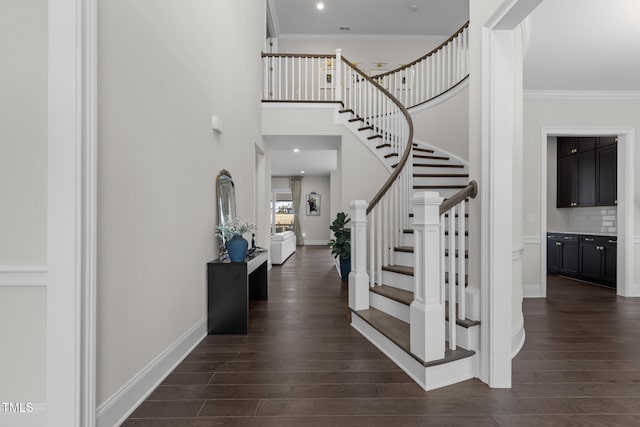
[[433, 187], [356, 119], [406, 298], [365, 128], [383, 145], [401, 269], [396, 294], [441, 175], [446, 233], [398, 332], [386, 156], [424, 150], [426, 156], [437, 165], [409, 249], [374, 136]]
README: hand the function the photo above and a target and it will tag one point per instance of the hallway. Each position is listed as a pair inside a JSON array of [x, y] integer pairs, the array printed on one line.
[[303, 365]]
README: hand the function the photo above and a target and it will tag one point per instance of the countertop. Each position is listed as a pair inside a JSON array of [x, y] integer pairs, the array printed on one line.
[[586, 233]]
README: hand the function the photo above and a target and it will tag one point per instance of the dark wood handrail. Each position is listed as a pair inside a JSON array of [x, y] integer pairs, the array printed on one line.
[[297, 55], [471, 190], [407, 151], [422, 58]]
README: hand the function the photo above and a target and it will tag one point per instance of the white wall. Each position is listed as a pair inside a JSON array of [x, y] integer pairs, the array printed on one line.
[[315, 229], [557, 219], [445, 125], [366, 52], [161, 79], [567, 113], [23, 196]]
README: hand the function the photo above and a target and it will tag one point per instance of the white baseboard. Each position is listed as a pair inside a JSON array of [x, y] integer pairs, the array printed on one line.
[[531, 291], [517, 339], [23, 275], [316, 243], [116, 409]]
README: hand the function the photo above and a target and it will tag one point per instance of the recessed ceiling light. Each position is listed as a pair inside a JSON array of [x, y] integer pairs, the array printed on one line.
[[320, 5], [301, 171], [296, 150]]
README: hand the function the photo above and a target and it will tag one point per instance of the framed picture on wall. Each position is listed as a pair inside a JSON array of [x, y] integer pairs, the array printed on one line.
[[313, 204], [327, 79]]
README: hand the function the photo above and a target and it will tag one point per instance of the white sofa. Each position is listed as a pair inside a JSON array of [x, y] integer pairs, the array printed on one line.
[[282, 246]]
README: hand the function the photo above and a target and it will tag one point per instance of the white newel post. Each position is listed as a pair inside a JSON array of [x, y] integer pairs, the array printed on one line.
[[338, 76], [427, 330], [358, 278]]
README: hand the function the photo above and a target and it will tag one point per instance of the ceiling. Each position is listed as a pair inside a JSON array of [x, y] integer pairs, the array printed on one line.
[[368, 17], [317, 155]]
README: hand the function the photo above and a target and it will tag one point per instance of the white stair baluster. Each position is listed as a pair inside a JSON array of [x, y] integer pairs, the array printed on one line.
[[452, 279]]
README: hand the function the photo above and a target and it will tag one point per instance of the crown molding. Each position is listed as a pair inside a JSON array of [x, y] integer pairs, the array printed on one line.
[[583, 94], [374, 37]]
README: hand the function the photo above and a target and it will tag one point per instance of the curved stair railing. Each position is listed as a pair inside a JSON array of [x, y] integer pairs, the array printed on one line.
[[431, 75]]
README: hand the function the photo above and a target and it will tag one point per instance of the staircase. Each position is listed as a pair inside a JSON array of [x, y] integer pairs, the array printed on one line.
[[408, 286]]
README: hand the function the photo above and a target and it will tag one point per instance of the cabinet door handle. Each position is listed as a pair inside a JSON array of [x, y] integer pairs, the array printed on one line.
[[586, 239], [558, 243], [567, 238], [616, 139], [574, 150], [612, 241]]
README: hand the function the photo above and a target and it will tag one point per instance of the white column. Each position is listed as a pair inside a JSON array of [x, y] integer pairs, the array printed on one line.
[[338, 76], [358, 278], [427, 329]]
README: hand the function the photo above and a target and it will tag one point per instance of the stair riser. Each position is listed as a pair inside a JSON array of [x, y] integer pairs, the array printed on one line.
[[443, 192], [440, 181], [407, 240], [428, 378], [435, 161], [389, 306], [397, 280], [467, 338], [407, 259]]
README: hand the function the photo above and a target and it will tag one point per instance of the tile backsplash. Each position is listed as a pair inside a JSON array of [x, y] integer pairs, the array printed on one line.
[[593, 220]]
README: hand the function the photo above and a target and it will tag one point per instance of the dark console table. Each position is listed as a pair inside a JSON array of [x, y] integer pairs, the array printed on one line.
[[230, 287]]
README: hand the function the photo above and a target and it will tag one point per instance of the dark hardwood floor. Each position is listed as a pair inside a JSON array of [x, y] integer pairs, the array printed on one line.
[[303, 365]]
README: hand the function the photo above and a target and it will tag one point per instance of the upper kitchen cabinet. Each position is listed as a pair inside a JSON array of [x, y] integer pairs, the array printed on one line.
[[586, 171]]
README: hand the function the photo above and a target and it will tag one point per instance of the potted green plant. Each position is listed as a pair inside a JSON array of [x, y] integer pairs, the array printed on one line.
[[341, 243]]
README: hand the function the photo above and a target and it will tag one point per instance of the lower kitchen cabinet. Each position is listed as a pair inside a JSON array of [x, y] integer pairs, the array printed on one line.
[[584, 257]]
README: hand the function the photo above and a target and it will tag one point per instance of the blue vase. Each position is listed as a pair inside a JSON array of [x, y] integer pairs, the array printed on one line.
[[237, 248]]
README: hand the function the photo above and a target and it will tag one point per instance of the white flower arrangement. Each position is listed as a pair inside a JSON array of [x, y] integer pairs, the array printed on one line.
[[233, 227]]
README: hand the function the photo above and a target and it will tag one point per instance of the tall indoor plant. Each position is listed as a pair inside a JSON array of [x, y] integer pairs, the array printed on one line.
[[341, 243]]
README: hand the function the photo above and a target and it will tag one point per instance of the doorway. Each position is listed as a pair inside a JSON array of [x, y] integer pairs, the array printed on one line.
[[624, 217]]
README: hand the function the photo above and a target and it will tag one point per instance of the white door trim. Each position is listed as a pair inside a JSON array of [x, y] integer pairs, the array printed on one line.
[[497, 133], [71, 218], [626, 189]]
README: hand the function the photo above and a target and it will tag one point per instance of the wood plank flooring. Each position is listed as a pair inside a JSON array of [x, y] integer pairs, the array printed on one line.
[[303, 365]]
